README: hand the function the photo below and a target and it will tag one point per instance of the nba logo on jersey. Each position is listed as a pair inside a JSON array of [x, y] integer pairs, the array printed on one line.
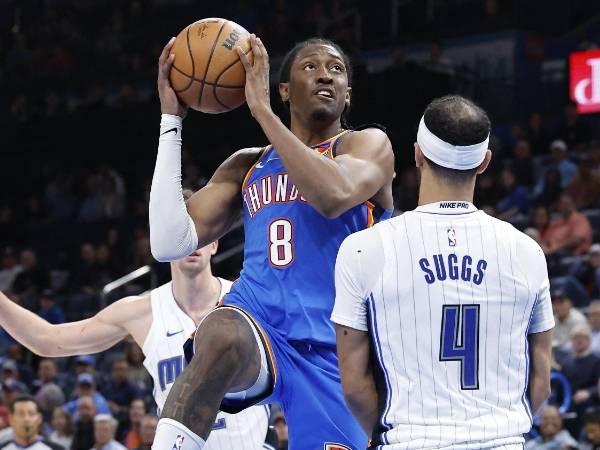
[[451, 237], [330, 446], [178, 442]]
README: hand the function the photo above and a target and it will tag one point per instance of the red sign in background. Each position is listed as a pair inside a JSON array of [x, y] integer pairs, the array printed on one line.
[[585, 81]]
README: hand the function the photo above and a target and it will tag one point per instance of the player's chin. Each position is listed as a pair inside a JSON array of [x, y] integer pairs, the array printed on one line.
[[325, 112]]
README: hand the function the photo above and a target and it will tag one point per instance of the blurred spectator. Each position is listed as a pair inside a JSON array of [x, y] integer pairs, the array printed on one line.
[[551, 190], [571, 233], [583, 369], [10, 269], [137, 410], [49, 310], [119, 391], [86, 387], [281, 428], [86, 276], [10, 376], [437, 62], [566, 169], [540, 220], [25, 373], [552, 434], [48, 373], [26, 422], [83, 425], [522, 165], [32, 278], [566, 317], [593, 315], [574, 131], [587, 271], [515, 198], [62, 425], [591, 436], [486, 193], [138, 373], [585, 187], [536, 133], [105, 427], [407, 192], [49, 397], [147, 431]]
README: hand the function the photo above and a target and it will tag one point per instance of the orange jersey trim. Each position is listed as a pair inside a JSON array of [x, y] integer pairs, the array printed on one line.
[[370, 218], [251, 169]]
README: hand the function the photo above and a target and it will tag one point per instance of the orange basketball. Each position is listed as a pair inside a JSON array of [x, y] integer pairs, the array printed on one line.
[[207, 73]]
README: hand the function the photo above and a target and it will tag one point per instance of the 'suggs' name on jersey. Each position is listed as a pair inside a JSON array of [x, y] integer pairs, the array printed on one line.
[[269, 190]]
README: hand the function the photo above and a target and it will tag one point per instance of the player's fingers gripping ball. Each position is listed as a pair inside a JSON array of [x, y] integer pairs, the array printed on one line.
[[207, 73]]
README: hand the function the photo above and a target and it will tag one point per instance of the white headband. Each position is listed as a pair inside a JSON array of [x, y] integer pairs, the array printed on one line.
[[461, 157]]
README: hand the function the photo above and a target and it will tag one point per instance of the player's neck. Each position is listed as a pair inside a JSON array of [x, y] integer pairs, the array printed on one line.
[[196, 295], [314, 132], [434, 190]]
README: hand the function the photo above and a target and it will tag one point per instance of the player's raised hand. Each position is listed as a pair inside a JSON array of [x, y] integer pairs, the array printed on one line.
[[257, 77], [169, 103]]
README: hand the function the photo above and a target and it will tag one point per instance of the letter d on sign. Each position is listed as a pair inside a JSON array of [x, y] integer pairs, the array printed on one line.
[[585, 81]]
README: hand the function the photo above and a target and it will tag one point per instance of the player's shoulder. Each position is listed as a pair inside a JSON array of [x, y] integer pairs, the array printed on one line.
[[240, 162], [367, 242], [375, 138], [526, 245]]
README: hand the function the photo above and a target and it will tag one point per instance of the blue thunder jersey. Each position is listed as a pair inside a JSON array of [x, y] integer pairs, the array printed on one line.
[[290, 250]]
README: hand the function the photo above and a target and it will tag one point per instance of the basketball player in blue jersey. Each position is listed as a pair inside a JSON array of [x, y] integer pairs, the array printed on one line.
[[316, 183]]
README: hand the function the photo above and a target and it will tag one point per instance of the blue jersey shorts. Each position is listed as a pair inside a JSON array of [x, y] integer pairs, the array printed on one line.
[[307, 385]]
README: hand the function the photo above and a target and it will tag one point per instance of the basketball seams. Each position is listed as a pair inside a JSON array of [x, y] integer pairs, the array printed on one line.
[[222, 86], [215, 91], [212, 51]]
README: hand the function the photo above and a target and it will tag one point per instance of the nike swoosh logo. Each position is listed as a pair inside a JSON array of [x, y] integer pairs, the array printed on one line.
[[168, 131], [261, 164], [169, 334]]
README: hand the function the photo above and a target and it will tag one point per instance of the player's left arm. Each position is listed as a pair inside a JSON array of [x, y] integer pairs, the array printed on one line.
[[365, 161], [356, 370]]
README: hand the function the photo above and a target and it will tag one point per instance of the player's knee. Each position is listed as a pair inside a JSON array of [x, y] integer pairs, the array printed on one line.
[[226, 331]]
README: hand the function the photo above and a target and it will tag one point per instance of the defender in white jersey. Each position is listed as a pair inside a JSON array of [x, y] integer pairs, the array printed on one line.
[[160, 323], [452, 305]]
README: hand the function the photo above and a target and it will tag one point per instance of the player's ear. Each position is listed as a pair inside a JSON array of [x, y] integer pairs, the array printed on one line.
[[348, 96], [214, 246], [419, 158], [284, 91], [485, 163]]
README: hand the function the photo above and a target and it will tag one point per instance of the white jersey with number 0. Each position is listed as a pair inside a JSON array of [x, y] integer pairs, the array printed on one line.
[[165, 361], [449, 296]]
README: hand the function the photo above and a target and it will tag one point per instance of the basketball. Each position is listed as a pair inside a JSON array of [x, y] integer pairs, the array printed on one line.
[[207, 73]]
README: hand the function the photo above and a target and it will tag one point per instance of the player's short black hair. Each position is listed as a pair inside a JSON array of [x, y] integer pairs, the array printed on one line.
[[457, 121], [288, 60], [21, 399]]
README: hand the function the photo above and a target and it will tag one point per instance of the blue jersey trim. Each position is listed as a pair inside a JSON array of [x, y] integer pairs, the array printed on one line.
[[524, 398]]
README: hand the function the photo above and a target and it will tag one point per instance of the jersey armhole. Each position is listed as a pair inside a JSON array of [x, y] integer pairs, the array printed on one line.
[[260, 156], [148, 338]]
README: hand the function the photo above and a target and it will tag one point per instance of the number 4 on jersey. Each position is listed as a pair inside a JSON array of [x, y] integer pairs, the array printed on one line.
[[461, 343], [281, 243]]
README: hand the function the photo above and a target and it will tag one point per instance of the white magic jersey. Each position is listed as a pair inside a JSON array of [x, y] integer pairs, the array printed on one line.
[[165, 361], [448, 295]]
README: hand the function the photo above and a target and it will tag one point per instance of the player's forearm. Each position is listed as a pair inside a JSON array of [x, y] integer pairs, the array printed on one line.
[[539, 390], [26, 327], [309, 170], [172, 231], [361, 398]]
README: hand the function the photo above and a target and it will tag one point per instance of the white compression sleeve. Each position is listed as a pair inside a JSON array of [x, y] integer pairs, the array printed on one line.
[[172, 230], [172, 435]]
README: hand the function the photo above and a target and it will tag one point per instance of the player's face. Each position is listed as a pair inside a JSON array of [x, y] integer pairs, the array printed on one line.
[[318, 87], [198, 261]]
